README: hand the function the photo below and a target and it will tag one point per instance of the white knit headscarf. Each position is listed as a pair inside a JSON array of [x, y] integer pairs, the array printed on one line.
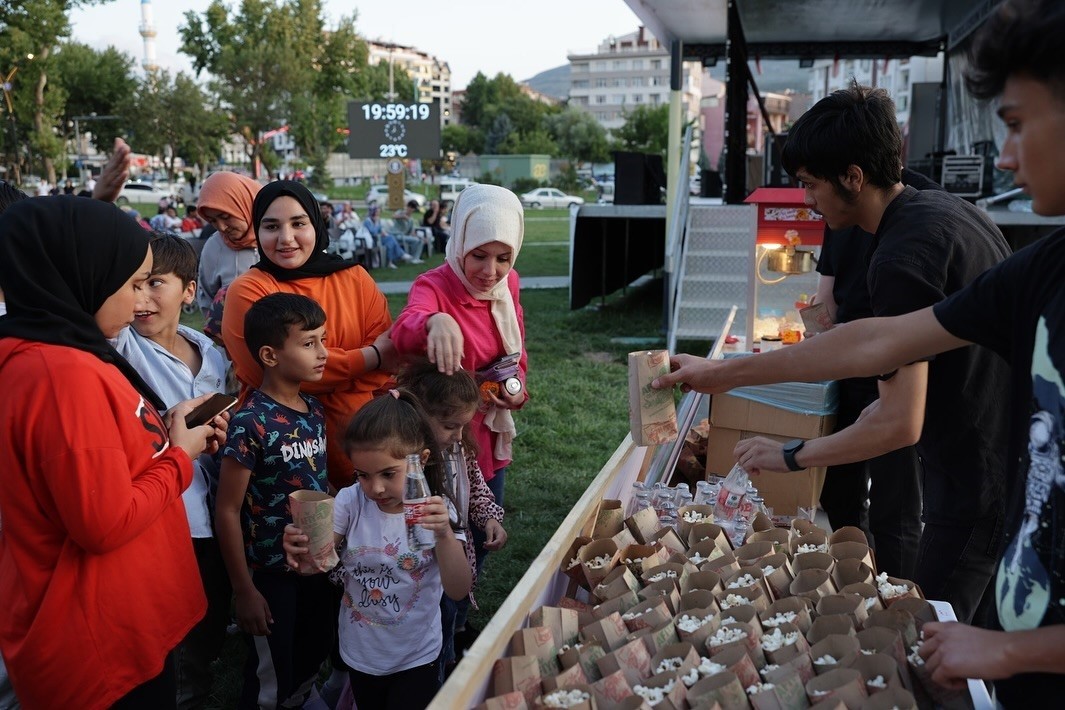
[[484, 214]]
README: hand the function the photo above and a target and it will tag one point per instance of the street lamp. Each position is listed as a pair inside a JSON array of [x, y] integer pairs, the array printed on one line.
[[8, 86]]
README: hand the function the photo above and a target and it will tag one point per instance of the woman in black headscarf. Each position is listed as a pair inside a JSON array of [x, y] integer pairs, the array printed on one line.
[[360, 351], [97, 574]]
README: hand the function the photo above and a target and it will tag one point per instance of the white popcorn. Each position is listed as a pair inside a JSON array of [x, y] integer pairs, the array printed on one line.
[[768, 570], [598, 562], [777, 639], [728, 620], [889, 590], [769, 668], [654, 696], [724, 636], [870, 602], [565, 698], [697, 558], [782, 617], [742, 582], [574, 561], [689, 623], [915, 656], [866, 652], [734, 600], [633, 560], [804, 548], [669, 664], [707, 667], [691, 677], [877, 682], [825, 660], [759, 688], [821, 693], [693, 516], [566, 647], [664, 574]]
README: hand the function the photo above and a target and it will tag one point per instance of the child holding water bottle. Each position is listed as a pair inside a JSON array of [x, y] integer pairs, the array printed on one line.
[[391, 592]]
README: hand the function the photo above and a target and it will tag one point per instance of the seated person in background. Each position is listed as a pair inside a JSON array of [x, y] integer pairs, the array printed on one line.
[[403, 231], [435, 219], [347, 218], [393, 251], [330, 221], [192, 225]]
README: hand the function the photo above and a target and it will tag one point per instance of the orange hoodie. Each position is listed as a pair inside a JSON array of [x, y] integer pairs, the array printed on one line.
[[98, 579]]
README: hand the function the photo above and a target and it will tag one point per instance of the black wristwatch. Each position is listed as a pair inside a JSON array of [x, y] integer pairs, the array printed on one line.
[[790, 449]]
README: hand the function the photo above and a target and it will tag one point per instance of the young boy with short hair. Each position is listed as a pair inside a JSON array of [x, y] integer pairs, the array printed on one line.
[[180, 363], [276, 446]]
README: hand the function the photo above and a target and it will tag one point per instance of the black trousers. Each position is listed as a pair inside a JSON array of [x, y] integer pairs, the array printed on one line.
[[194, 655], [159, 693], [957, 564], [411, 689], [882, 496]]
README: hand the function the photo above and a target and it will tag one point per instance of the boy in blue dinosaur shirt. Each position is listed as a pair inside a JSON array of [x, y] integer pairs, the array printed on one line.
[[276, 446]]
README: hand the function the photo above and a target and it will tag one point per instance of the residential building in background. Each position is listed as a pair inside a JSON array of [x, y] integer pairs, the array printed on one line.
[[896, 76], [431, 75]]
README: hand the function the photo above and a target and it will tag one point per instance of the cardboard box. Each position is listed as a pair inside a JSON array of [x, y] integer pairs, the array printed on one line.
[[734, 418]]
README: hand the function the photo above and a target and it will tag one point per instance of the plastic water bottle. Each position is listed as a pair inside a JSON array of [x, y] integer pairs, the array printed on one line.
[[732, 496], [415, 496]]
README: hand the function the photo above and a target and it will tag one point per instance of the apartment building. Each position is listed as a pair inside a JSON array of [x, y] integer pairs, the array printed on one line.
[[896, 76], [431, 75]]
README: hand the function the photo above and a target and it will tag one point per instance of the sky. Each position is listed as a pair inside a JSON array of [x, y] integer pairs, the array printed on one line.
[[491, 36]]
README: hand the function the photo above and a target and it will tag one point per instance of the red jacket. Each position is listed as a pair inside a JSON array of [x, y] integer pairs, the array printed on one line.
[[98, 579]]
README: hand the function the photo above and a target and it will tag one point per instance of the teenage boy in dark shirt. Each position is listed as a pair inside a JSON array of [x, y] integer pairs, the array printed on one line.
[[1017, 309]]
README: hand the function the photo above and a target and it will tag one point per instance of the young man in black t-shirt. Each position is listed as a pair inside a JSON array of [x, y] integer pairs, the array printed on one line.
[[846, 151], [1017, 309]]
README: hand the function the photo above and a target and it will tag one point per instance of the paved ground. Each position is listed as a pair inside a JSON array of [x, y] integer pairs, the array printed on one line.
[[391, 287]]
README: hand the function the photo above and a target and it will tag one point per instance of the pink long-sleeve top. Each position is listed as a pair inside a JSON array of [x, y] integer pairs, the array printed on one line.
[[439, 290]]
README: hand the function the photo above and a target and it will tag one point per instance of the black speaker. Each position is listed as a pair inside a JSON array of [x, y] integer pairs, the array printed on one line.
[[775, 175], [639, 178], [710, 184]]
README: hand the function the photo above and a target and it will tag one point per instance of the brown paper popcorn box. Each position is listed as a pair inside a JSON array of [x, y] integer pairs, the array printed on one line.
[[590, 704], [643, 524], [698, 635], [816, 538], [761, 523], [620, 580], [563, 622], [755, 570], [520, 673], [755, 596], [669, 570], [912, 590], [802, 526], [652, 413], [888, 642], [709, 531], [537, 641], [633, 702], [852, 571], [853, 551], [624, 538], [569, 655], [745, 614], [675, 699], [609, 519], [782, 575], [648, 614], [697, 599], [801, 664], [702, 552], [608, 633], [611, 689], [750, 553], [661, 637], [892, 699], [812, 584], [878, 666], [830, 704], [840, 684], [683, 560], [942, 696], [738, 662], [831, 625], [633, 557], [848, 533], [853, 605], [922, 611], [786, 652], [669, 538], [800, 606], [788, 693], [689, 658], [507, 701], [666, 588], [571, 677], [572, 569], [619, 604], [632, 659], [312, 513], [723, 688], [844, 649], [586, 657], [865, 591], [594, 554], [813, 560], [897, 619], [724, 564], [750, 643], [777, 536], [688, 516], [703, 579]]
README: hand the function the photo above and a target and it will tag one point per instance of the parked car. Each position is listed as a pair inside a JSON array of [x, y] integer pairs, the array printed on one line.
[[142, 192], [379, 193], [550, 197], [451, 187]]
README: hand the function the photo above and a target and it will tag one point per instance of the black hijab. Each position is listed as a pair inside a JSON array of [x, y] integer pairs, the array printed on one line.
[[60, 259], [320, 263]]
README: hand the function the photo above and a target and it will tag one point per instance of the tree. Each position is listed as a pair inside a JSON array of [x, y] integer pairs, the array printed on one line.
[[95, 83], [579, 136], [461, 139], [537, 141], [498, 134], [646, 130]]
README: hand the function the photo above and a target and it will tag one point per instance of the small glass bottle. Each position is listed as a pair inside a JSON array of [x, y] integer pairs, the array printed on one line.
[[415, 496], [702, 493], [639, 501], [679, 490]]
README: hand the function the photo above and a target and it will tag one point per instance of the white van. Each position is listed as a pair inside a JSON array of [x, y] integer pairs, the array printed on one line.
[[451, 187]]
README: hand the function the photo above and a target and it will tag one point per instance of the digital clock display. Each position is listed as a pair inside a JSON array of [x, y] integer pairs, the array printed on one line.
[[393, 130]]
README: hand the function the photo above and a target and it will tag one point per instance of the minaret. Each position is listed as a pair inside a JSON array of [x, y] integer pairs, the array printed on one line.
[[147, 30]]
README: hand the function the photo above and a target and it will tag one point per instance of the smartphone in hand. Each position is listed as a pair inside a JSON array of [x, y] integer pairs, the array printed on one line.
[[209, 409]]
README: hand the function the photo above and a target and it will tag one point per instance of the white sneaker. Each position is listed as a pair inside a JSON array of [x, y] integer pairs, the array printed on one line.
[[416, 261], [392, 265], [406, 258]]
